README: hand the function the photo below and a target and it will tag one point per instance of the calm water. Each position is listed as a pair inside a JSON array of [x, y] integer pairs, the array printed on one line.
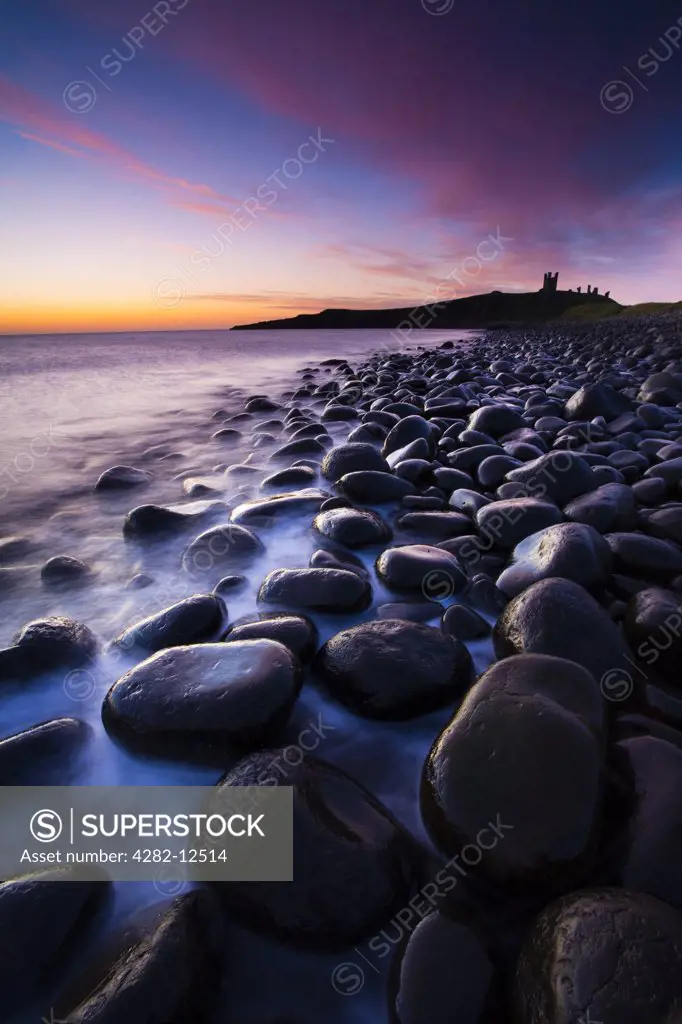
[[70, 407]]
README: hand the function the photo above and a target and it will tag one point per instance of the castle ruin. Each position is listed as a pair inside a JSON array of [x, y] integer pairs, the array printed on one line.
[[550, 283]]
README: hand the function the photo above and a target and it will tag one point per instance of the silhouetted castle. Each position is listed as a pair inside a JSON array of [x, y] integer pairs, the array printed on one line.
[[550, 283]]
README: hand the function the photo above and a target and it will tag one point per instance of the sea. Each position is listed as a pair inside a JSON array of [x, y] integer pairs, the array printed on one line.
[[72, 406]]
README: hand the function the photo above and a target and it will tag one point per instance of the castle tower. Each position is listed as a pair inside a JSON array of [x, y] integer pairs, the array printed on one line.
[[550, 281]]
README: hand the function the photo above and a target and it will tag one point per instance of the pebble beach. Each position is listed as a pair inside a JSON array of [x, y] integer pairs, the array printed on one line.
[[437, 590]]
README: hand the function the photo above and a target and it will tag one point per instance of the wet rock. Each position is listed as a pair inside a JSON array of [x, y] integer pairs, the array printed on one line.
[[160, 521], [570, 551], [409, 429], [610, 507], [45, 645], [373, 487], [64, 569], [354, 865], [170, 972], [444, 973], [352, 527], [296, 632], [122, 478], [394, 669], [612, 953], [464, 623], [507, 522], [666, 523], [492, 471], [434, 525], [230, 585], [219, 549], [465, 500], [532, 720], [669, 471], [653, 628], [324, 590], [560, 618], [140, 581], [634, 554], [44, 754], [560, 476], [45, 918], [228, 435], [295, 476], [323, 559], [654, 840], [205, 701], [261, 404], [188, 622], [496, 420], [421, 567], [597, 400], [14, 549], [265, 511]]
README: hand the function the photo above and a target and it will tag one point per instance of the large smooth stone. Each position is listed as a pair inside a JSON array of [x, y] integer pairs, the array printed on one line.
[[409, 429], [534, 723], [64, 569], [496, 420], [570, 551], [374, 488], [44, 918], [559, 617], [351, 458], [548, 821], [296, 632], [434, 525], [205, 700], [653, 628], [433, 571], [394, 669], [122, 478], [654, 842], [325, 590], [507, 522], [352, 527], [45, 645], [443, 974], [560, 476], [170, 972], [635, 554], [43, 754], [217, 551], [289, 479], [666, 523], [612, 953], [610, 507], [597, 400], [266, 510], [187, 622], [161, 521], [354, 865]]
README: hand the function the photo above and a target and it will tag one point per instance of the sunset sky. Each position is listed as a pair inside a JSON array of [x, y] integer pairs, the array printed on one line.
[[133, 134]]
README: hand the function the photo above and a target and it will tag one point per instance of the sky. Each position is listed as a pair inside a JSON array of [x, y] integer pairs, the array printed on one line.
[[203, 163]]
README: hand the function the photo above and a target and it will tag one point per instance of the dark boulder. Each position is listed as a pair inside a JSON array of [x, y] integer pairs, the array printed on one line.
[[296, 632], [187, 622], [44, 754], [653, 628], [169, 972], [325, 590], [420, 567], [532, 720], [352, 458], [597, 400], [507, 522], [635, 554], [46, 645], [352, 527], [394, 669], [610, 953], [373, 487], [205, 701], [220, 549], [560, 476], [354, 865], [560, 618], [569, 551], [609, 507], [122, 478]]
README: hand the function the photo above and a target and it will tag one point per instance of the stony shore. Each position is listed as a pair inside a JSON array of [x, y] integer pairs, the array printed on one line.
[[526, 491]]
